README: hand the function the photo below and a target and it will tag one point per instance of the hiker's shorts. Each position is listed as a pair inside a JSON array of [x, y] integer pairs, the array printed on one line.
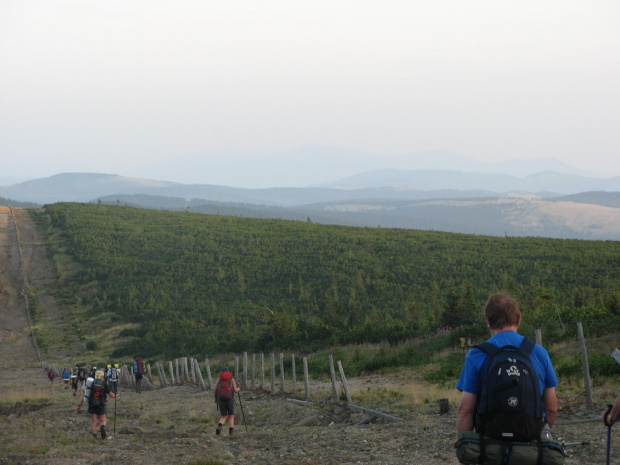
[[98, 411], [227, 407]]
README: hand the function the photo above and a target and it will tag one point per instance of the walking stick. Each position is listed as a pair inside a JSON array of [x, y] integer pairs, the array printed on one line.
[[608, 433], [115, 414], [242, 414]]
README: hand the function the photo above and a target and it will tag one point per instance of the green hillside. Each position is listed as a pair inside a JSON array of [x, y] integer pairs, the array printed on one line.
[[195, 283]]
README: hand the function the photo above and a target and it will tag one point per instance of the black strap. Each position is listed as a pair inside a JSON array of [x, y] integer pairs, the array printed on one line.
[[540, 451], [482, 457]]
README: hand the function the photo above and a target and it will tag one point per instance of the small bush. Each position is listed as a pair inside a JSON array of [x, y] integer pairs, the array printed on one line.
[[91, 345]]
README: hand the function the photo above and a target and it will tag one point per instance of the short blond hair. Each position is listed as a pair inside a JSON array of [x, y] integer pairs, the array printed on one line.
[[98, 374]]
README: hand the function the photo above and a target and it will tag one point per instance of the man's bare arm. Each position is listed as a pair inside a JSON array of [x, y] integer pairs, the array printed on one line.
[[550, 401], [465, 413]]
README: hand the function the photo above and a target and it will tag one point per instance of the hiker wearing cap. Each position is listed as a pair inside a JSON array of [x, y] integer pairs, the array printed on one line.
[[225, 400], [95, 395]]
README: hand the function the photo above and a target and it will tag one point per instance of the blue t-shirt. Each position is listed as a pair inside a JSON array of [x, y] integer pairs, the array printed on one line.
[[469, 381]]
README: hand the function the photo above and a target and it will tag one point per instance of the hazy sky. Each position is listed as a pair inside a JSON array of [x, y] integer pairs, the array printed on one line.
[[111, 86]]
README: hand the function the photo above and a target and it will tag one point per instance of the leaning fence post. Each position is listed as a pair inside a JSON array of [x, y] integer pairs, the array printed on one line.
[[201, 381], [176, 361], [262, 370], [344, 383], [332, 374], [586, 368], [163, 374]]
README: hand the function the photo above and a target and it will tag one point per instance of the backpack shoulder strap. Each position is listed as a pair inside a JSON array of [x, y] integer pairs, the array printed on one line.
[[487, 348], [527, 346]]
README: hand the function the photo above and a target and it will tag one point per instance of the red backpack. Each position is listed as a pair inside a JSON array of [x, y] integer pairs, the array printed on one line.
[[97, 394], [225, 386]]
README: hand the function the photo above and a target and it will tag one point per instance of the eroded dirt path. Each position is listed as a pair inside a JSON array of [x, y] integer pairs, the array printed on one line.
[[15, 343]]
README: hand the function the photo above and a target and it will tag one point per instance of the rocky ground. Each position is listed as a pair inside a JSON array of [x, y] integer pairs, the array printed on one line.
[[39, 425]]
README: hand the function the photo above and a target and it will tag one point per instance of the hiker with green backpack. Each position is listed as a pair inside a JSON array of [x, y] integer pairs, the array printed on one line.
[[508, 402], [95, 395]]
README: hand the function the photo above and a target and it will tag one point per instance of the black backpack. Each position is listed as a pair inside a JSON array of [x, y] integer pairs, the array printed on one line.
[[510, 405], [97, 394]]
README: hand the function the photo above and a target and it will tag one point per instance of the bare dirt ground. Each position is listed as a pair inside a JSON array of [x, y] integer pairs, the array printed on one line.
[[38, 423]]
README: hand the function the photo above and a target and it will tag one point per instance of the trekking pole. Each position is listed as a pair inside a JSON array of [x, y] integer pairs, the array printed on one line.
[[114, 414], [608, 433], [242, 414]]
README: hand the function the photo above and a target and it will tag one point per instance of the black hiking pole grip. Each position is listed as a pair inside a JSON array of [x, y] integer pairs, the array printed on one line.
[[242, 414]]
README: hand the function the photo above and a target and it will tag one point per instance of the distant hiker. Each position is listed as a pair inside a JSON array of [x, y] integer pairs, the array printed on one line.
[[51, 375], [81, 377], [487, 404], [95, 396], [66, 376], [138, 368], [225, 400], [74, 382], [112, 377]]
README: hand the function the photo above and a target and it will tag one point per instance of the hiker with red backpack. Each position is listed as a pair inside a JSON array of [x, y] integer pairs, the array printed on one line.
[[225, 399], [96, 392], [508, 395]]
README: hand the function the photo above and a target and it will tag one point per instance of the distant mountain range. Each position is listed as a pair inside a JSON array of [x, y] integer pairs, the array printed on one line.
[[319, 165], [545, 204]]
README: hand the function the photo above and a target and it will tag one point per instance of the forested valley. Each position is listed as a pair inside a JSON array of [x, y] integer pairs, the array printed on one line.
[[192, 283]]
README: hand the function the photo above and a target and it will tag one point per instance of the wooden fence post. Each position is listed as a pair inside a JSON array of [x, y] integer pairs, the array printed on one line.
[[344, 383], [253, 369], [262, 370], [332, 374], [210, 379], [306, 382], [176, 362], [245, 370], [163, 374], [161, 380], [171, 371], [193, 366], [185, 371], [201, 381], [538, 336], [586, 368], [282, 373], [148, 370], [294, 375], [272, 372]]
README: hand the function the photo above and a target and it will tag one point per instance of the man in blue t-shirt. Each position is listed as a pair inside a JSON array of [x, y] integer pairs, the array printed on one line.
[[503, 318]]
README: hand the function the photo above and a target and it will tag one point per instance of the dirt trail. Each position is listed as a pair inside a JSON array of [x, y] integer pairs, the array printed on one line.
[[176, 424]]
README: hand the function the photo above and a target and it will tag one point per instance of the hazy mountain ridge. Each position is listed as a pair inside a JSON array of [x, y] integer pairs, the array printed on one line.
[[584, 215], [319, 165]]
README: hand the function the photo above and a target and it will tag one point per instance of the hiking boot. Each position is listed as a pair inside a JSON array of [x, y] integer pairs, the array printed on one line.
[[93, 434], [230, 431], [218, 430], [103, 433]]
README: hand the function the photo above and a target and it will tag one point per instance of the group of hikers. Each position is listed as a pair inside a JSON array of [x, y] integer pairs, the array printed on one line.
[[508, 402], [98, 384]]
